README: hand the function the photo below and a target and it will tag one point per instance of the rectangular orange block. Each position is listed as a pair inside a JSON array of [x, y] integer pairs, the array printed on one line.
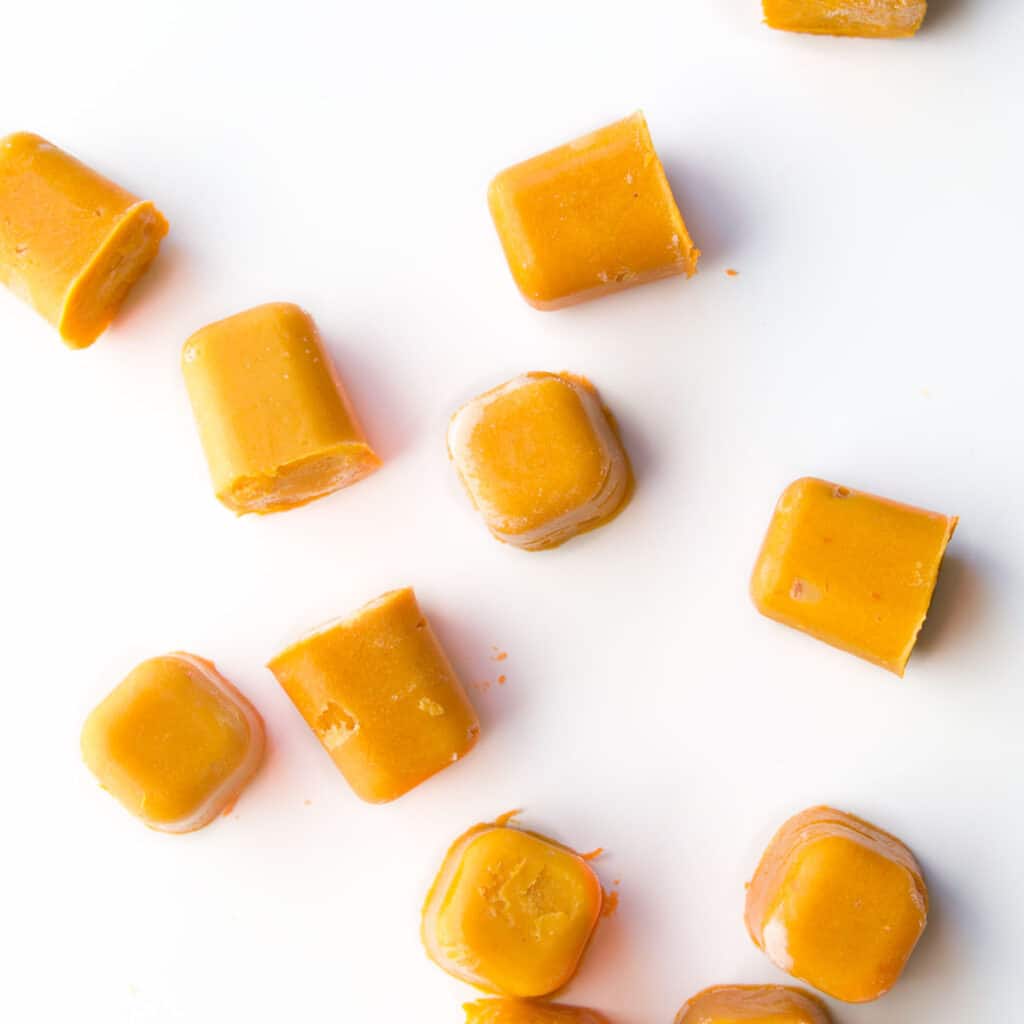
[[879, 19]]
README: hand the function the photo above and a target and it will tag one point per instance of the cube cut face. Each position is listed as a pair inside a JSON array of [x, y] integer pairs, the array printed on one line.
[[381, 696], [540, 459], [511, 912], [753, 1004], [526, 1011], [591, 217], [852, 569], [837, 903], [174, 742], [878, 19], [275, 423], [72, 243]]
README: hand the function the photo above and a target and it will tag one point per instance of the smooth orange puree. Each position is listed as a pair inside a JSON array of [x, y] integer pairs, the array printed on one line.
[[852, 569], [892, 19], [837, 903], [540, 459], [72, 243], [511, 912], [274, 420], [381, 696], [527, 1011], [753, 1004], [591, 217], [174, 742]]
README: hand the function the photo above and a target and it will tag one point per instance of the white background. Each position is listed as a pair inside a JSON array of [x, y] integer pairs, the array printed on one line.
[[337, 155]]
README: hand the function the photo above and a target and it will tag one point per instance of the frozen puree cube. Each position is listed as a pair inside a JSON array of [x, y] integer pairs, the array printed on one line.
[[753, 1004], [541, 459], [511, 912], [851, 569], [890, 19], [273, 418], [381, 696], [174, 742], [591, 217], [72, 243], [528, 1011], [838, 903]]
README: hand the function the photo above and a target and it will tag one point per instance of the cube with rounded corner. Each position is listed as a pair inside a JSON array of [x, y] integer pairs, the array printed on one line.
[[852, 569], [528, 1011], [877, 19], [381, 696], [753, 1004], [175, 743], [511, 912], [837, 903], [72, 243], [274, 420], [541, 459], [591, 217]]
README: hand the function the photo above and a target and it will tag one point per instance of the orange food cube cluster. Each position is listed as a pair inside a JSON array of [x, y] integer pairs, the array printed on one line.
[[753, 1004], [889, 19], [527, 1011], [381, 696], [838, 903], [591, 217]]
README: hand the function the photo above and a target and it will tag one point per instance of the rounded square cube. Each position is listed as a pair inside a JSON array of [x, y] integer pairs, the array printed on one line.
[[591, 217], [528, 1011], [753, 1004], [511, 912], [72, 243], [877, 19], [852, 569], [381, 696], [174, 742], [274, 420], [838, 903], [540, 459]]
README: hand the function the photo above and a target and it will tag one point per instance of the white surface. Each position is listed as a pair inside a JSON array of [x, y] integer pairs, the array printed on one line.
[[869, 195]]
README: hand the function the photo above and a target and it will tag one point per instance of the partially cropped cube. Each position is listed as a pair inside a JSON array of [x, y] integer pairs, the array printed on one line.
[[275, 422], [511, 912], [885, 19], [541, 459], [381, 696], [852, 569], [175, 743], [591, 217], [528, 1011], [756, 1004], [72, 243], [838, 903]]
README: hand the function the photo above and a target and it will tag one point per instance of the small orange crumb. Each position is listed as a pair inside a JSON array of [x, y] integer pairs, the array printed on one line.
[[501, 680], [616, 881], [499, 654], [610, 905], [732, 273], [593, 854]]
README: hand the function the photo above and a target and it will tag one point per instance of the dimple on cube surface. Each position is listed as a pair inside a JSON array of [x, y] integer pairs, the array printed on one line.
[[511, 912], [753, 1004]]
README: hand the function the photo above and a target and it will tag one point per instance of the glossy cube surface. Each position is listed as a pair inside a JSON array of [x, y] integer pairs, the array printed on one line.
[[877, 19], [753, 1004]]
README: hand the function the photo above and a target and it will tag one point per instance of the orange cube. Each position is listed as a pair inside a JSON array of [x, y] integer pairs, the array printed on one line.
[[72, 243], [852, 569], [838, 903], [511, 912], [381, 696], [591, 217], [174, 742], [754, 1004], [888, 19], [540, 459], [527, 1011]]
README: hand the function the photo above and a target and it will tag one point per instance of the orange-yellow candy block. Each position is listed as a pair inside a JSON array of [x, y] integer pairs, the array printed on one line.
[[887, 19], [72, 243], [838, 903], [541, 459], [527, 1011], [275, 422], [591, 217], [174, 742], [511, 912], [753, 1004], [852, 569], [381, 696]]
